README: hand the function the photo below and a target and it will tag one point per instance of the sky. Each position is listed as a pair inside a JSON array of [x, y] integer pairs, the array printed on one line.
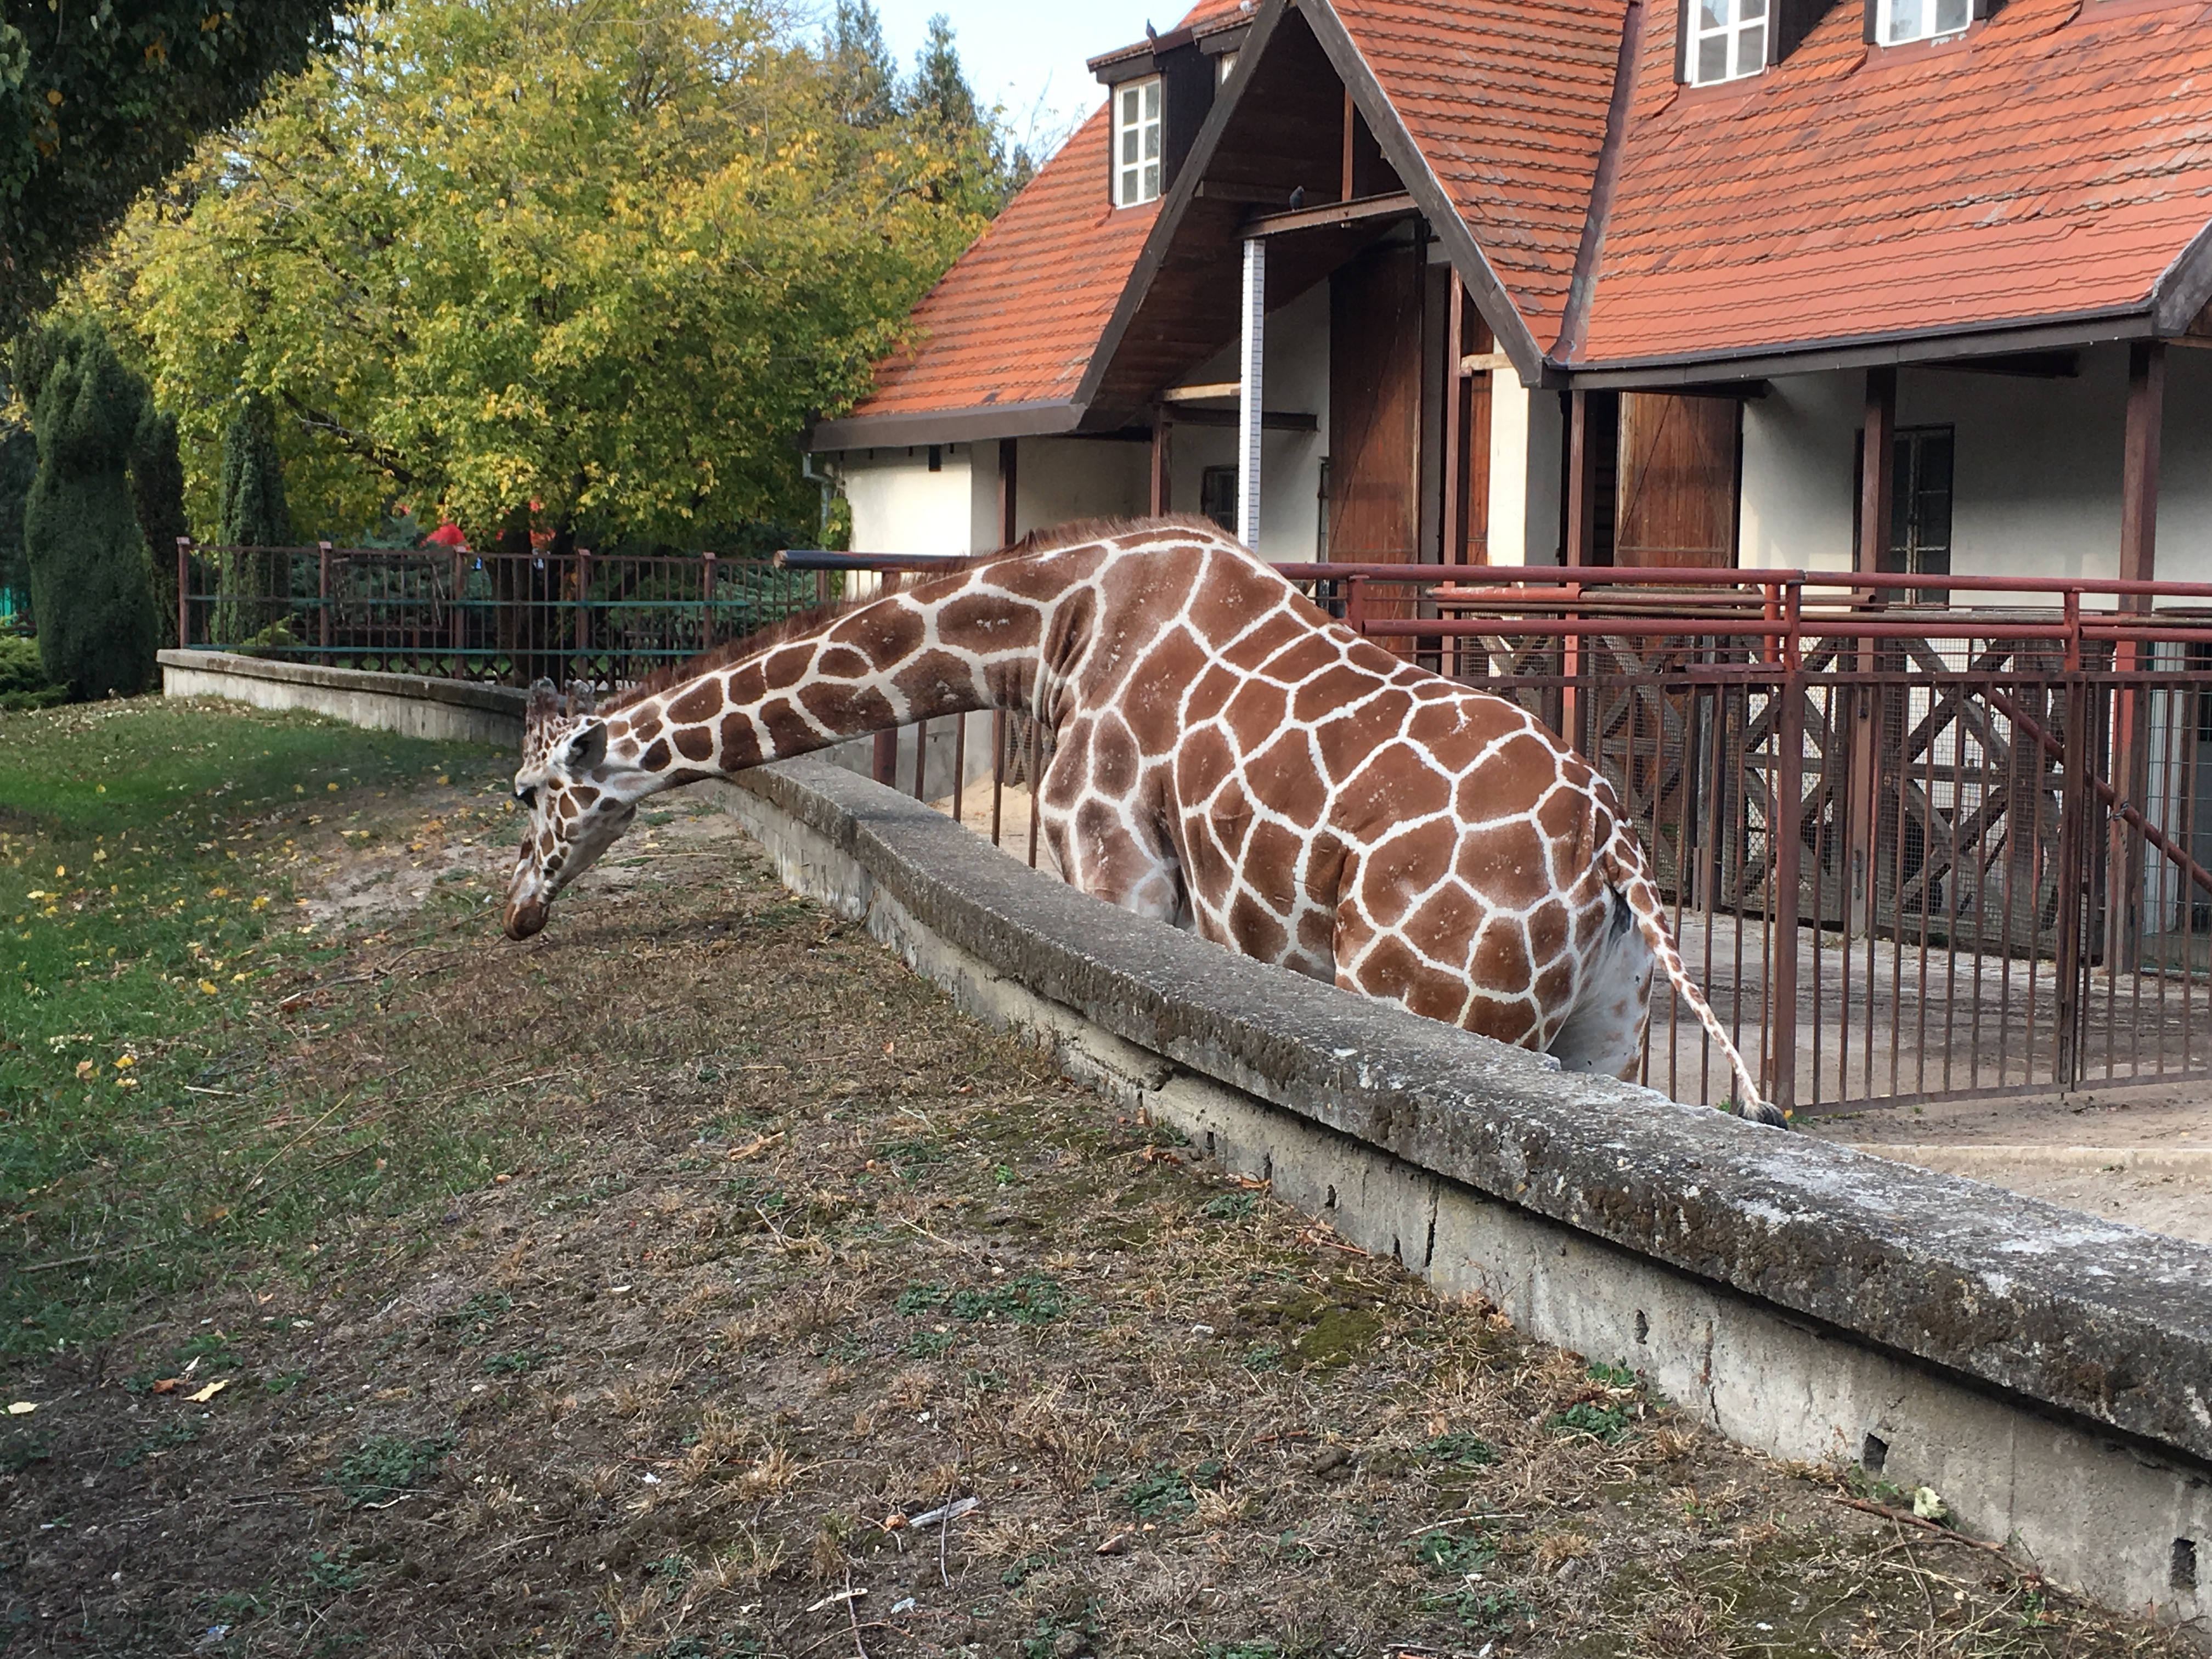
[[1029, 54]]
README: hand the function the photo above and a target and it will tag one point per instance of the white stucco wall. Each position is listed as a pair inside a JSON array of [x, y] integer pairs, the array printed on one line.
[[899, 506], [1061, 480], [1526, 433], [2037, 490]]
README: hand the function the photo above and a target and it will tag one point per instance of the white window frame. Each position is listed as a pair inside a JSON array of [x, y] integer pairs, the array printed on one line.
[[1744, 36], [1138, 149], [1935, 28]]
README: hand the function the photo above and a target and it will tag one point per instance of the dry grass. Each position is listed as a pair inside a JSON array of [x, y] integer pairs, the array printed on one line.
[[783, 1254]]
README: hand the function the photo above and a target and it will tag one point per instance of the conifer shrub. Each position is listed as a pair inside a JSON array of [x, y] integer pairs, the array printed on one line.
[[255, 582], [157, 489], [91, 583]]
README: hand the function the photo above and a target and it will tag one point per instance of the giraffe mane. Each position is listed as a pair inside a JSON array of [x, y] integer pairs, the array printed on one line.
[[811, 620]]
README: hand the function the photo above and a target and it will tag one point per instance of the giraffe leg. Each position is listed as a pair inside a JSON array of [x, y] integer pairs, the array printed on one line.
[[1107, 846], [1604, 1032]]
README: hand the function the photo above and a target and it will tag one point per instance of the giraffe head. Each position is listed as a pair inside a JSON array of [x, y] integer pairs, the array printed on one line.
[[578, 805]]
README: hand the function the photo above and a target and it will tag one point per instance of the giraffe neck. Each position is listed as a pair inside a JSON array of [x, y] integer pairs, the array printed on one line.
[[952, 645]]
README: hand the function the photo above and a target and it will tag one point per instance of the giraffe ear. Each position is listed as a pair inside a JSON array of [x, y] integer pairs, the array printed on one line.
[[588, 747], [580, 697], [545, 703]]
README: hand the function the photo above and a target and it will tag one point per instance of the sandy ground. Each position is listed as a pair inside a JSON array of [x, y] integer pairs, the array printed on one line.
[[2140, 1154]]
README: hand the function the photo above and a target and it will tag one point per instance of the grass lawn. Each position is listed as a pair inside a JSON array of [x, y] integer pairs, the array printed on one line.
[[695, 1281]]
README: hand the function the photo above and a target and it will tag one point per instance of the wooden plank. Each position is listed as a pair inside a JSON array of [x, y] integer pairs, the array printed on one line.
[[1332, 216], [1375, 407]]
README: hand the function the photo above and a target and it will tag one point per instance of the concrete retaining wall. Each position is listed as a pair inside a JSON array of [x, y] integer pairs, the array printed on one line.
[[447, 711], [2049, 1374]]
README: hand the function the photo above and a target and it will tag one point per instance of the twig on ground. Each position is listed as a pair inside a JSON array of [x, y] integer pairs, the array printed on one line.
[[344, 1102], [1454, 1520], [97, 1256], [1929, 1527]]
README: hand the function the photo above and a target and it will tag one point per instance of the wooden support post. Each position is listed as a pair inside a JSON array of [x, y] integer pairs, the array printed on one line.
[[1010, 489], [1877, 478], [1251, 390], [2139, 490], [1348, 184], [1163, 464], [1579, 549], [1455, 547]]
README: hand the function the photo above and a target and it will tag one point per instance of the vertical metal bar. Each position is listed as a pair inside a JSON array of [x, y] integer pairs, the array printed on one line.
[[2067, 1013], [184, 593], [1900, 697], [583, 667], [460, 618], [1036, 783], [998, 774], [1955, 882], [323, 599], [1927, 852], [1251, 390], [1785, 837], [921, 760], [959, 766], [707, 601]]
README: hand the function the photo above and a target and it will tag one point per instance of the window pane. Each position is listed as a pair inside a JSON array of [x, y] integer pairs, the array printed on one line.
[[1129, 108], [1713, 14], [1751, 50], [1153, 100], [1129, 147], [1906, 20], [1750, 11], [1128, 190], [1712, 58], [1151, 184], [1950, 16], [1152, 142]]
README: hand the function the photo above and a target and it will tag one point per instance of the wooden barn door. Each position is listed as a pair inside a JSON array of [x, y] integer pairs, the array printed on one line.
[[1375, 408], [1678, 468]]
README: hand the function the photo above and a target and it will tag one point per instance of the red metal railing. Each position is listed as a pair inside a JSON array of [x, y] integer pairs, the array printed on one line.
[[1921, 836]]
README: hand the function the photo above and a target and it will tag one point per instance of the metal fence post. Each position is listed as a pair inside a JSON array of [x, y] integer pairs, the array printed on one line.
[[323, 597], [1784, 824], [706, 605], [584, 614], [184, 592], [460, 624], [2071, 880]]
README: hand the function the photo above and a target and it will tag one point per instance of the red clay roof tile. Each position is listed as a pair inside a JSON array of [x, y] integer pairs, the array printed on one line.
[[1507, 101], [2050, 164]]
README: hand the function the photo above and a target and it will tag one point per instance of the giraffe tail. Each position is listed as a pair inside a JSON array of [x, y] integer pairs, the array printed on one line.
[[1632, 883]]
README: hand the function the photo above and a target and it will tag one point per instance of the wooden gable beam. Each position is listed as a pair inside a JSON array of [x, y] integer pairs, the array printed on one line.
[[1466, 257]]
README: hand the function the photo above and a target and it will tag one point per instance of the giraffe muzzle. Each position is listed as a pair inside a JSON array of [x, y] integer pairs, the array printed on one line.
[[525, 919]]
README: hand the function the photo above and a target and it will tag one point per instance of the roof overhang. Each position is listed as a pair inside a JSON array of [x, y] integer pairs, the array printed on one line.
[[946, 426], [1933, 346]]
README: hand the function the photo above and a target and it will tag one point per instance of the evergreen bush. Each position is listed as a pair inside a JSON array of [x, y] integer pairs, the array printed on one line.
[[256, 583], [157, 489], [19, 465], [91, 584], [23, 682]]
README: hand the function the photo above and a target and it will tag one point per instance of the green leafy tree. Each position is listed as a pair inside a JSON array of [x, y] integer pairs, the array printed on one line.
[[256, 581], [157, 491], [91, 585], [545, 265], [100, 100]]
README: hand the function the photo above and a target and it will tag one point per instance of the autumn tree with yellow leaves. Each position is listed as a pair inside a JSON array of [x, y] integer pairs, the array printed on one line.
[[582, 263]]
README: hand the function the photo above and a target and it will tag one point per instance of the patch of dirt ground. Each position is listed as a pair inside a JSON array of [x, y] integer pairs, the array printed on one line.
[[806, 1317], [2140, 1154]]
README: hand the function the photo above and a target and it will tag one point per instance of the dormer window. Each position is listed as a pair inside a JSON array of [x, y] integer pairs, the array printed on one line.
[[1137, 146], [1728, 39], [1898, 21]]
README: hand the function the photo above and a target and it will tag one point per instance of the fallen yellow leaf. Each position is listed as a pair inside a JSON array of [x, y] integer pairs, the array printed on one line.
[[84, 1068], [208, 1392], [208, 988]]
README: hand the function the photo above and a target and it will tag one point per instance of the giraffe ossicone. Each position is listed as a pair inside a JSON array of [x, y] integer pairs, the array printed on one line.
[[1227, 758]]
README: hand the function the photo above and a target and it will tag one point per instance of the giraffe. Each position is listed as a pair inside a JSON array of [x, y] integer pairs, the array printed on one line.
[[1227, 759]]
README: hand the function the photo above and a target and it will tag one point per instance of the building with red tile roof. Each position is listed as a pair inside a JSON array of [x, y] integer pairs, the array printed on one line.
[[1595, 281]]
